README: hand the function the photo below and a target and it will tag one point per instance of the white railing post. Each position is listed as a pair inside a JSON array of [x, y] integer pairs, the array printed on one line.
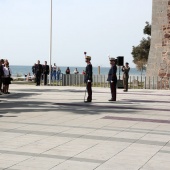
[[103, 80], [94, 80], [97, 81]]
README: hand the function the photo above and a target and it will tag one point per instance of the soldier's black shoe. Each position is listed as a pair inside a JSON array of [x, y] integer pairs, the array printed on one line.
[[87, 101], [111, 100], [125, 90]]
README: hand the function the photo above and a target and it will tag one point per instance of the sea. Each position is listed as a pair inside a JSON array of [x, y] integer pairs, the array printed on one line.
[[20, 71]]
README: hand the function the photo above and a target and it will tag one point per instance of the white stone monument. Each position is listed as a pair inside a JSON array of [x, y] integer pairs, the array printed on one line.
[[158, 67]]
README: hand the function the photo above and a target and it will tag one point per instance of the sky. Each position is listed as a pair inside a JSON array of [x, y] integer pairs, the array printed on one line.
[[99, 27]]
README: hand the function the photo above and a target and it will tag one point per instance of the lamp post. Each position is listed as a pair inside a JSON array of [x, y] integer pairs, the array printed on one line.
[[50, 53]]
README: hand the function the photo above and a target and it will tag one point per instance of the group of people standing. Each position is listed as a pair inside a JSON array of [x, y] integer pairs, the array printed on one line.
[[41, 72], [112, 77], [55, 72], [5, 77], [74, 72]]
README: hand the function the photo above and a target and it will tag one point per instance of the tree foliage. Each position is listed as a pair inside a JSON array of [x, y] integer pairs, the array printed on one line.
[[140, 52], [147, 29]]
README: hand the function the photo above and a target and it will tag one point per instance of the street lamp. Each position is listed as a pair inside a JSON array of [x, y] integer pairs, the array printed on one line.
[[50, 53]]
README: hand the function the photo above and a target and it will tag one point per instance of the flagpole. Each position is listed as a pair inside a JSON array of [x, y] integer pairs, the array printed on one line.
[[50, 54]]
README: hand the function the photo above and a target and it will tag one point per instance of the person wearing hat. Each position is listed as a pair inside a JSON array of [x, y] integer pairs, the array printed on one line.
[[125, 70], [88, 77], [112, 78]]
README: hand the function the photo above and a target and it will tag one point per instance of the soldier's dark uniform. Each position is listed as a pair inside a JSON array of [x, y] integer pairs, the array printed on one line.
[[125, 70], [45, 72], [112, 78], [88, 78], [38, 72]]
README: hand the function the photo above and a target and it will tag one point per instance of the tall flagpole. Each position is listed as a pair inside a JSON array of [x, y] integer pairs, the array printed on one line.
[[50, 55]]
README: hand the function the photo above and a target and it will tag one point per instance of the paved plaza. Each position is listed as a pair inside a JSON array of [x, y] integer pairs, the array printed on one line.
[[51, 128]]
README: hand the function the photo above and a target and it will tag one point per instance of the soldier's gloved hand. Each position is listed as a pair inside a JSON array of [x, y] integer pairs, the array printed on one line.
[[88, 81], [111, 81]]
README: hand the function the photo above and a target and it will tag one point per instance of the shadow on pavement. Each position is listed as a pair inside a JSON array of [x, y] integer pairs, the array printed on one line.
[[146, 101], [21, 102], [26, 105]]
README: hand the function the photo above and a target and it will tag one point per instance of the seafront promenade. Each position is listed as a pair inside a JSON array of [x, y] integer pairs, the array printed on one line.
[[51, 128]]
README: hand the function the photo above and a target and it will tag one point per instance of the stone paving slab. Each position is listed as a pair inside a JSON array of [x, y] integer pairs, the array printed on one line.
[[51, 128]]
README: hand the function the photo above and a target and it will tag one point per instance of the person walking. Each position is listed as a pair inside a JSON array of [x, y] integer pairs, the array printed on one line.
[[88, 77], [38, 72], [45, 72], [125, 70], [112, 78]]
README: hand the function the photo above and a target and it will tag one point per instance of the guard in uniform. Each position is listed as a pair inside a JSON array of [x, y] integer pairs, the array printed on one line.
[[88, 77], [38, 73], [112, 78], [125, 70], [45, 72]]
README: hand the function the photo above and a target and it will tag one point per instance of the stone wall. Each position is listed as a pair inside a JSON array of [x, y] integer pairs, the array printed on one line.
[[159, 57]]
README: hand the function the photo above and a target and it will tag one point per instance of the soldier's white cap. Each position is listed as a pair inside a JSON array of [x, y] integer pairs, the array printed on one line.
[[112, 59], [88, 57]]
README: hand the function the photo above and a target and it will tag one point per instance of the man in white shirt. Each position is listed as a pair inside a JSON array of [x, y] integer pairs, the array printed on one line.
[[76, 71]]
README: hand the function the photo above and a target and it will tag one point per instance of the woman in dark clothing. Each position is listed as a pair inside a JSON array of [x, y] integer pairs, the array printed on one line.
[[7, 77]]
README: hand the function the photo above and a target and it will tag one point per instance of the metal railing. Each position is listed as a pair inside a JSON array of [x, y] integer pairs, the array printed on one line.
[[134, 82]]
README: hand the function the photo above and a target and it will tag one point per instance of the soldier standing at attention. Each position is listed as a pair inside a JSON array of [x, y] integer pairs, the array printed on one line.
[[125, 70], [88, 77], [38, 72], [45, 72], [112, 78]]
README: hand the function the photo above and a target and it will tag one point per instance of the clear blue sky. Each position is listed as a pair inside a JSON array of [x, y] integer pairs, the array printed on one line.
[[100, 27]]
